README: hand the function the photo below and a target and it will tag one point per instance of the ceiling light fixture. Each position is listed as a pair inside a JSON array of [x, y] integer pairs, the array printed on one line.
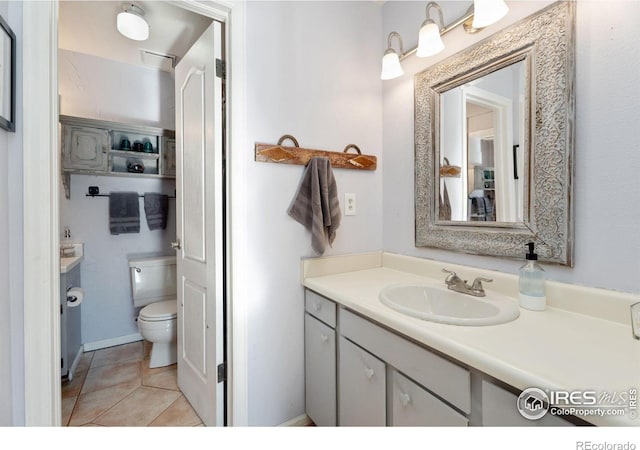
[[430, 40], [131, 22]]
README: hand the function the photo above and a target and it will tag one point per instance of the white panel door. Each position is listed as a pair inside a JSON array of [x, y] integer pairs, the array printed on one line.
[[199, 207]]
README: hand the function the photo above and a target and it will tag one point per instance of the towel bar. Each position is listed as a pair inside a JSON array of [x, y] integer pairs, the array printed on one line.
[[94, 191], [300, 156]]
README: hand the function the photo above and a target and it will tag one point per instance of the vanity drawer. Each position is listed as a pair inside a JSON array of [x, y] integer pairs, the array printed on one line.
[[442, 377], [413, 406], [320, 307]]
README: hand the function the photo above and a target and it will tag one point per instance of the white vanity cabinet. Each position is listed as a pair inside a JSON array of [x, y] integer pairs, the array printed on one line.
[[85, 148], [385, 379], [320, 359]]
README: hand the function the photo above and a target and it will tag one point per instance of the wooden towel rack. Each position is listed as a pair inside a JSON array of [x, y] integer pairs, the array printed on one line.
[[296, 155]]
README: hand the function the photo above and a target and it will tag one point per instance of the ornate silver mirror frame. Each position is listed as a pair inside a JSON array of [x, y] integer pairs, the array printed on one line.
[[545, 41]]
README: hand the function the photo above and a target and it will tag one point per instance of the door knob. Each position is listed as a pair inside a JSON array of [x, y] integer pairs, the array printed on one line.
[[176, 245]]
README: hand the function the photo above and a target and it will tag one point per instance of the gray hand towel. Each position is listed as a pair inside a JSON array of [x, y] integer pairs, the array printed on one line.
[[124, 212], [156, 208], [316, 204]]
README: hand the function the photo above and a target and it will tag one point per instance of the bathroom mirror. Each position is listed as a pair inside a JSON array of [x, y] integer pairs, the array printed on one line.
[[494, 129]]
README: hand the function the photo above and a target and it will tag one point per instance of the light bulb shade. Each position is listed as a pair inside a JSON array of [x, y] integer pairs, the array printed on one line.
[[429, 40], [131, 24], [391, 67], [488, 12]]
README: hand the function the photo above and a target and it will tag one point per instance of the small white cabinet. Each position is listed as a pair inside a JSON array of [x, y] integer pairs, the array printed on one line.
[[99, 147], [85, 148], [362, 387], [320, 371]]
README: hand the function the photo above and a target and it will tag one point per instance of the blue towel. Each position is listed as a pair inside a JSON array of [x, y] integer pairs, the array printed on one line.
[[124, 212], [316, 204], [156, 208]]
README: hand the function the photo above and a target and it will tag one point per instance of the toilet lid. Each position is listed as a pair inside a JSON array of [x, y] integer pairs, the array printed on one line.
[[165, 310]]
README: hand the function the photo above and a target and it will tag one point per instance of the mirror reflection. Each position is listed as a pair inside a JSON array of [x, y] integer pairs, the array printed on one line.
[[482, 148]]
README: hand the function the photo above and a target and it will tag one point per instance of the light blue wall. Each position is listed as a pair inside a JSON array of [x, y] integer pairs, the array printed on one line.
[[312, 71]]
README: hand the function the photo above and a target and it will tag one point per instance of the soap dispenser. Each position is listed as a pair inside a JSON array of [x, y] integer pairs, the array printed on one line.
[[531, 284], [66, 245]]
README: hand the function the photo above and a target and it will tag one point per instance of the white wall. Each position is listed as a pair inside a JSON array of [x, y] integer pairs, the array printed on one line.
[[607, 242], [102, 89], [312, 71], [11, 238]]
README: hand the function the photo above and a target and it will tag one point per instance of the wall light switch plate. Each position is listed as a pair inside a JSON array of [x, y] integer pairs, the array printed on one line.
[[349, 204]]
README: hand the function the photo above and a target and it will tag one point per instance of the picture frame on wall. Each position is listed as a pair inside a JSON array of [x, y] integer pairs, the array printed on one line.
[[7, 76]]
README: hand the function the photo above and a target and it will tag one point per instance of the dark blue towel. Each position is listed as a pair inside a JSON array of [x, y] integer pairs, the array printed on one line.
[[156, 208], [124, 212]]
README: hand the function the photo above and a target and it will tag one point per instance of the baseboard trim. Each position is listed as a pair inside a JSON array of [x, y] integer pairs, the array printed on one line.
[[301, 421], [97, 345], [76, 361]]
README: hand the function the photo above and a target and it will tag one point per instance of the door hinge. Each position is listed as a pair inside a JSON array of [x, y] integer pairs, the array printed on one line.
[[222, 372], [61, 363], [221, 68]]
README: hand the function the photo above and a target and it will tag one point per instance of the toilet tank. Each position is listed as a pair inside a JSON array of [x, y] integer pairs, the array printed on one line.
[[153, 279]]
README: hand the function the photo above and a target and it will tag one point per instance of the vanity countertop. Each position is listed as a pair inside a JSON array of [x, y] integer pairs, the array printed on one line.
[[552, 349], [69, 262]]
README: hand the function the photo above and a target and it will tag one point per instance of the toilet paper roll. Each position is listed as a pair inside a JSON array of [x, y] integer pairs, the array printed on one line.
[[75, 295]]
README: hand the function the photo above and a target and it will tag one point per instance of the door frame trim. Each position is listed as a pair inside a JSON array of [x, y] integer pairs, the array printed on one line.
[[41, 177]]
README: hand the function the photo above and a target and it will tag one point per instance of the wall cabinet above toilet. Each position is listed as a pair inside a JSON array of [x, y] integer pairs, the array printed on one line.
[[99, 147]]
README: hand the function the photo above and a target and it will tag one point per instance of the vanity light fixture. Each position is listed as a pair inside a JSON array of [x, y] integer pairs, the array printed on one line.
[[131, 23], [391, 67], [488, 12], [429, 40], [480, 15]]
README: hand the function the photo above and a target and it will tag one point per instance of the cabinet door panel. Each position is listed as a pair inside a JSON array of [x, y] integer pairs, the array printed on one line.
[[361, 398], [320, 371], [500, 409], [86, 148], [413, 406]]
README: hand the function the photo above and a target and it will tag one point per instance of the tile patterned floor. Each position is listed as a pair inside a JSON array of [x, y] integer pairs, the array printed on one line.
[[114, 387]]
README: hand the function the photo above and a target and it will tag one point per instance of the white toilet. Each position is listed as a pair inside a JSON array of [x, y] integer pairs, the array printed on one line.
[[153, 285]]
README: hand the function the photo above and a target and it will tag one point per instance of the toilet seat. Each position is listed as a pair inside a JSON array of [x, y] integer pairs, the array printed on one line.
[[159, 311]]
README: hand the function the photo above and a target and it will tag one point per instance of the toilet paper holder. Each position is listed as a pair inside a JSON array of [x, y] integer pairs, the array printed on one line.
[[75, 295]]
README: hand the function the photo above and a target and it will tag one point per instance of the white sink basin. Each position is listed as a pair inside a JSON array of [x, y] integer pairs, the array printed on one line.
[[439, 304]]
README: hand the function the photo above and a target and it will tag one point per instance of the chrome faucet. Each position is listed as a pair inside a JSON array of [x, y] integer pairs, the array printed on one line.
[[457, 284]]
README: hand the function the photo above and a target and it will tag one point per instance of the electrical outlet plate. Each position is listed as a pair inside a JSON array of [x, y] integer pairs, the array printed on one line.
[[349, 204]]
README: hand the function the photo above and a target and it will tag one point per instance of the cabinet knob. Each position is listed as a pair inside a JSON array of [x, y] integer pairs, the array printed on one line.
[[317, 306], [404, 399], [369, 373], [324, 337]]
